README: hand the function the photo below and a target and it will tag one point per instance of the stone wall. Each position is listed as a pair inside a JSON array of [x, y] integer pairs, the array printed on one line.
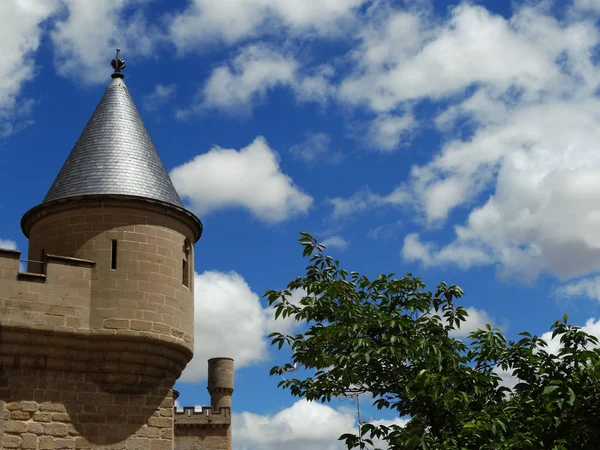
[[204, 429], [42, 409], [201, 439], [56, 300]]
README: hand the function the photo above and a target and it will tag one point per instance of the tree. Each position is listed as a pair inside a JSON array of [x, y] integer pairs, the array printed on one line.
[[390, 337]]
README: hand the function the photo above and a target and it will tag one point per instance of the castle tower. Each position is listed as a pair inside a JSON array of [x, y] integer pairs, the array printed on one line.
[[94, 335], [209, 427], [220, 387]]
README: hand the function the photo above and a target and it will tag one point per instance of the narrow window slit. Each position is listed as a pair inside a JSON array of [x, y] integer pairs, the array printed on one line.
[[186, 277], [185, 268], [113, 261]]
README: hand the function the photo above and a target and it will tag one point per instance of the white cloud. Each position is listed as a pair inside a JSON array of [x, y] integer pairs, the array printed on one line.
[[360, 201], [234, 20], [254, 71], [160, 96], [364, 200], [415, 250], [250, 178], [405, 57], [386, 131], [229, 321], [316, 147], [507, 377], [335, 242], [8, 244], [592, 326], [481, 108], [542, 209], [303, 426], [464, 256], [314, 84], [21, 24], [519, 63], [477, 319], [90, 29], [244, 81], [475, 48], [586, 287], [587, 5]]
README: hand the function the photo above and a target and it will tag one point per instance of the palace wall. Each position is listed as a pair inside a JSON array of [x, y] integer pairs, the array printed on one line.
[[207, 429]]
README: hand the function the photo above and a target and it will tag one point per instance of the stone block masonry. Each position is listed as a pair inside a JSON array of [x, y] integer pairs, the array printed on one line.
[[41, 409], [138, 250], [207, 429], [201, 438]]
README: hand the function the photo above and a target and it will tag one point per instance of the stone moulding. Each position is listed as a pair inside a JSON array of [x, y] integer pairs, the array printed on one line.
[[117, 363], [66, 204], [70, 261]]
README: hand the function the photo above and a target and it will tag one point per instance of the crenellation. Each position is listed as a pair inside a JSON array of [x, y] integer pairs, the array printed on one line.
[[31, 277], [204, 411], [207, 417]]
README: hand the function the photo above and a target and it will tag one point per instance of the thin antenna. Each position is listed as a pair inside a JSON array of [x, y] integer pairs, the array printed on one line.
[[355, 396]]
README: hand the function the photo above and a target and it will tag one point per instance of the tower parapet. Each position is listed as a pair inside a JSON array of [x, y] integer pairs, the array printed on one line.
[[206, 416]]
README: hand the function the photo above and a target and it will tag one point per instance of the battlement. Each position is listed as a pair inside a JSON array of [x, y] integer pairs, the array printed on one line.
[[207, 416], [55, 298], [11, 259]]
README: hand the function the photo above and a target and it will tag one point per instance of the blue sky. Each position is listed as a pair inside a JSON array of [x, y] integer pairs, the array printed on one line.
[[456, 141]]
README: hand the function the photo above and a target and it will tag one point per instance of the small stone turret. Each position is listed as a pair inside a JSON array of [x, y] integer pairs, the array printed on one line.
[[208, 428], [220, 382]]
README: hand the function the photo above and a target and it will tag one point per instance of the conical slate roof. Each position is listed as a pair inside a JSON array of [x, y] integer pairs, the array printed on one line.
[[114, 155]]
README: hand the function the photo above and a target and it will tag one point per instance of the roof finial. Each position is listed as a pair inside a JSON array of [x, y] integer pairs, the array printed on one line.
[[118, 64]]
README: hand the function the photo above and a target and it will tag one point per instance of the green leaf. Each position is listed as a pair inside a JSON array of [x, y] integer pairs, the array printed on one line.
[[549, 390]]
